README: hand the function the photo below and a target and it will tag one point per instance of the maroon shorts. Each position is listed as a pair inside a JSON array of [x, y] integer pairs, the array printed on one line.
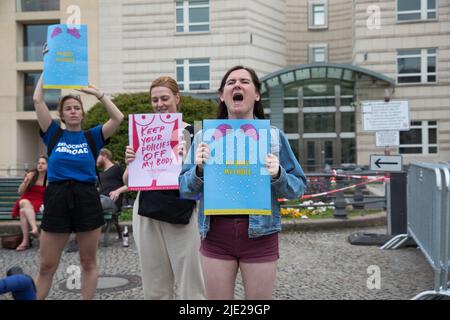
[[227, 239]]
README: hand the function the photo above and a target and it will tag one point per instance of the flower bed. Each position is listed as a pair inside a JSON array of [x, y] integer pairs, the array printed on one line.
[[308, 212]]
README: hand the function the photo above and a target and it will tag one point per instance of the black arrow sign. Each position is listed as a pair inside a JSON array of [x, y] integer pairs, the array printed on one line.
[[378, 162]]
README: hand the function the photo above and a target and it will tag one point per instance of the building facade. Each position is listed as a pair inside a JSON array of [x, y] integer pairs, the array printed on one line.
[[318, 59], [23, 25]]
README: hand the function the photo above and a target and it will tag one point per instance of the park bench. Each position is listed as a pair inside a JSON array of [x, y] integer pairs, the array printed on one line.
[[9, 196], [111, 219]]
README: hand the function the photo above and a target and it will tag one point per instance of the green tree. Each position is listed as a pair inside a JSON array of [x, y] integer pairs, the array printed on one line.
[[192, 109]]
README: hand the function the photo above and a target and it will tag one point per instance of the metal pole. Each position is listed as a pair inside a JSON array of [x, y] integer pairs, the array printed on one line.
[[340, 203], [358, 198], [388, 195], [388, 203]]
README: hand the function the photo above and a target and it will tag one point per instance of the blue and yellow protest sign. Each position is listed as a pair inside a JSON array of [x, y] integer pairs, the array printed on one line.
[[66, 63], [236, 180]]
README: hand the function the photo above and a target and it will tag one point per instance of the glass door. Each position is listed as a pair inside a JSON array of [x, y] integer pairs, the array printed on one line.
[[319, 153]]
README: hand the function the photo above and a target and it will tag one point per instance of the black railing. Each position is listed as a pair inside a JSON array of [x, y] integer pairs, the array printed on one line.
[[327, 182]]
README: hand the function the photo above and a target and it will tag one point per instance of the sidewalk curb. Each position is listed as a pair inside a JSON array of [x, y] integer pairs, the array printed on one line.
[[372, 220]]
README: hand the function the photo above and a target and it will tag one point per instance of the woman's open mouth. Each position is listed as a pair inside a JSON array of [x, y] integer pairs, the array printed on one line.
[[238, 97]]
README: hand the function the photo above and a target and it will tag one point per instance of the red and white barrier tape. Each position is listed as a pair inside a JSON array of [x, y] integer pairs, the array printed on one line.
[[309, 196], [355, 176]]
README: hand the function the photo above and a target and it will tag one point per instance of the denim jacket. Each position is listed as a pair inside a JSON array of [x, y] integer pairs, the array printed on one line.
[[291, 184]]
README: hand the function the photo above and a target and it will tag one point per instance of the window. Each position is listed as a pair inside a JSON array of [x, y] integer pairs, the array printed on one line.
[[37, 5], [310, 155], [421, 138], [319, 102], [348, 122], [416, 66], [34, 37], [318, 53], [410, 10], [51, 95], [193, 74], [348, 151], [291, 122], [319, 122], [318, 14], [192, 16], [266, 102], [294, 147]]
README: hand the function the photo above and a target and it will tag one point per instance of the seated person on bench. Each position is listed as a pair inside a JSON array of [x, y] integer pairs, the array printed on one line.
[[111, 187]]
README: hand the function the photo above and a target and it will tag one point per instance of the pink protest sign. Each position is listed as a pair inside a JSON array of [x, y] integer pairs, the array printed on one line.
[[154, 137]]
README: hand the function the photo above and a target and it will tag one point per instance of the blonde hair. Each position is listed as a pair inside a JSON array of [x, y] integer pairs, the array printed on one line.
[[169, 83]]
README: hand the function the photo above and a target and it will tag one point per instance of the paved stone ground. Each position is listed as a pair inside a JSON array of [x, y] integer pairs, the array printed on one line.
[[313, 265]]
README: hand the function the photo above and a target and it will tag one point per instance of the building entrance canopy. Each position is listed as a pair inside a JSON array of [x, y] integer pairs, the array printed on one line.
[[323, 71], [314, 105]]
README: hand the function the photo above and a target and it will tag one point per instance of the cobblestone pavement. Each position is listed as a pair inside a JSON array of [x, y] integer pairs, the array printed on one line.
[[313, 265]]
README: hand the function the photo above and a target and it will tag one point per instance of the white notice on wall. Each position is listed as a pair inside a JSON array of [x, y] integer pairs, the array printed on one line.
[[385, 116], [388, 138]]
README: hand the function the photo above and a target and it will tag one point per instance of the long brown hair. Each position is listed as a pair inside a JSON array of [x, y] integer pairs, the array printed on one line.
[[258, 109], [36, 175]]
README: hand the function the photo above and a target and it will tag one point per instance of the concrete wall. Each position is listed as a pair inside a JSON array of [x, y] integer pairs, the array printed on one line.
[[426, 101], [338, 34], [139, 42], [8, 83], [19, 130]]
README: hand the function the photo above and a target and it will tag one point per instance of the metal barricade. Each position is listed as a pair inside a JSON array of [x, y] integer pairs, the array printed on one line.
[[429, 220]]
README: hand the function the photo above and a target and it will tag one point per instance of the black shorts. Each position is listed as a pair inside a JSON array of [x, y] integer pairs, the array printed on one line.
[[71, 206]]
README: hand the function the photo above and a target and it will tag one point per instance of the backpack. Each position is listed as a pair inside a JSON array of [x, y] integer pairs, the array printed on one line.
[[11, 241], [89, 138]]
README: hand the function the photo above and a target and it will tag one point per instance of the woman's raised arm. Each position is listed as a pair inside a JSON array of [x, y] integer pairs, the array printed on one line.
[[115, 115], [43, 115]]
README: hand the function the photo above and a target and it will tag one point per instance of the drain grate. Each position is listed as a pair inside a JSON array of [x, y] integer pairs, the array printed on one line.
[[110, 283]]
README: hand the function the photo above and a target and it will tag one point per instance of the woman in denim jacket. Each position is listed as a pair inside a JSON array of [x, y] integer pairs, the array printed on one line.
[[248, 243]]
